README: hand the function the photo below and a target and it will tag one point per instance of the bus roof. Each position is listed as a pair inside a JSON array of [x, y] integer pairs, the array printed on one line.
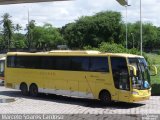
[[73, 53]]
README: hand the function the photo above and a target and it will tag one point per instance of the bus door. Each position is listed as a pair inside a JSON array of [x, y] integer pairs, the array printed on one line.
[[121, 78]]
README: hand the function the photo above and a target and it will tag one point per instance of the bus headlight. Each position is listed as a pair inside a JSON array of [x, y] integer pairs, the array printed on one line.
[[134, 93]]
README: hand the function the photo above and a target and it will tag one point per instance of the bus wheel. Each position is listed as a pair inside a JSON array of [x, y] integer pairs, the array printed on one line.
[[33, 90], [24, 89], [105, 97]]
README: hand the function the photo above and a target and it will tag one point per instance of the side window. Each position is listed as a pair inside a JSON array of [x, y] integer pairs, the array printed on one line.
[[23, 62], [48, 62], [33, 62], [120, 73], [55, 63], [63, 63], [80, 63], [20, 62], [11, 61], [99, 64]]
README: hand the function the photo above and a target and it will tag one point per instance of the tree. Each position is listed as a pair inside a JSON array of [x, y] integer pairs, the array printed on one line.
[[46, 37], [2, 44], [7, 30], [19, 41], [18, 28], [150, 36], [92, 30], [29, 33]]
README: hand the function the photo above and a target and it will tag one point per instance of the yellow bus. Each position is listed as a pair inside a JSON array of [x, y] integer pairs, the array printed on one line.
[[85, 74]]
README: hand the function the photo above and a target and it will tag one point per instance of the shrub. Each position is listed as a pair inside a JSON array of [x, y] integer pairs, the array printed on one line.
[[116, 48], [111, 48], [155, 89]]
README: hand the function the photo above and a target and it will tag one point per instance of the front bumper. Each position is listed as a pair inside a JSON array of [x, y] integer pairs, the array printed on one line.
[[137, 98]]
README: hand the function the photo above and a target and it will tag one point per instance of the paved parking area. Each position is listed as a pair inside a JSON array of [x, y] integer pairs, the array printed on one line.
[[52, 104]]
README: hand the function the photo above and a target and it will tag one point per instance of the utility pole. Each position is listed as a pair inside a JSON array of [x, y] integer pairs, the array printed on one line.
[[132, 39], [29, 38], [141, 32]]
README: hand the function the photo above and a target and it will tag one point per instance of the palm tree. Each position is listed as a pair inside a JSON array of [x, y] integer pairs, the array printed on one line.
[[7, 29], [18, 28], [30, 28]]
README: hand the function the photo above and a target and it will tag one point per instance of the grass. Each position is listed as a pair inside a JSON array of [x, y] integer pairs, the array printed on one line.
[[155, 80], [155, 60]]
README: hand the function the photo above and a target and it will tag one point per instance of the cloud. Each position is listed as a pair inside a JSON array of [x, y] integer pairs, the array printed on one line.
[[61, 13]]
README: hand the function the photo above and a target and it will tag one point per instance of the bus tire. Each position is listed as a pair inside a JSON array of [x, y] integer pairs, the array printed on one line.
[[105, 97], [24, 89], [33, 90]]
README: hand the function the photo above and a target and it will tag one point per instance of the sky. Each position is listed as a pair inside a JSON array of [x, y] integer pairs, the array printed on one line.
[[60, 13]]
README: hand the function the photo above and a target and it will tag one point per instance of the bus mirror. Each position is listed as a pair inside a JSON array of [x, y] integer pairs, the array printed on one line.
[[153, 70], [132, 70]]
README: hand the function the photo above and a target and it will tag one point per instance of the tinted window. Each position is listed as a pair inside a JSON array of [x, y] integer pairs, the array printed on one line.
[[99, 64], [118, 63], [62, 63], [96, 64], [21, 62], [28, 62], [55, 63], [11, 61], [48, 62], [120, 73], [80, 63]]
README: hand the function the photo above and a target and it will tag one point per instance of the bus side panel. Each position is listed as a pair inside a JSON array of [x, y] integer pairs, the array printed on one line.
[[70, 83], [14, 77], [74, 83], [103, 81]]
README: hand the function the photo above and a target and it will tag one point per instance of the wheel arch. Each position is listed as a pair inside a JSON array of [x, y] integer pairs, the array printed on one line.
[[33, 84], [33, 90], [22, 83], [102, 91]]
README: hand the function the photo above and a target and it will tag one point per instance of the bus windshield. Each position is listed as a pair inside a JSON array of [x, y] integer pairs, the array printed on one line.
[[142, 80]]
